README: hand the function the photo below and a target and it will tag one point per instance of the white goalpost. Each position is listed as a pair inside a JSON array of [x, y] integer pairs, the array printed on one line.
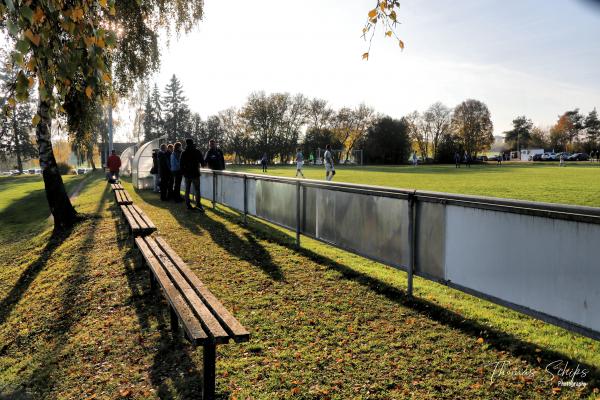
[[355, 157]]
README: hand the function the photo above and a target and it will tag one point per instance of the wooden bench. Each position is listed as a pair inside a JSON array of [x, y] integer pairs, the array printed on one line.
[[204, 319], [139, 223], [122, 197], [116, 186]]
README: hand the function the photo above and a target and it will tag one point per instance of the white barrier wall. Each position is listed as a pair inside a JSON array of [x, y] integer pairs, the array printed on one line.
[[548, 265], [539, 259]]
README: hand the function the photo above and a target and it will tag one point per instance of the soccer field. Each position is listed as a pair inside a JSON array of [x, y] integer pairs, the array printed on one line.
[[577, 183]]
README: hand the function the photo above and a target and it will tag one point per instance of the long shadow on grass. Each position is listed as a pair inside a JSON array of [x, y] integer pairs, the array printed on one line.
[[496, 339], [248, 250], [27, 215], [22, 211], [73, 309]]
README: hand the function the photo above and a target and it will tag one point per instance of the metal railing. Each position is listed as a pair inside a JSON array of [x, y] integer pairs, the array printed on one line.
[[540, 259]]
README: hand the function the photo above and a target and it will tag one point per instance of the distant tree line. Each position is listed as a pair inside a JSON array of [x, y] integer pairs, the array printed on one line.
[[573, 131], [278, 123]]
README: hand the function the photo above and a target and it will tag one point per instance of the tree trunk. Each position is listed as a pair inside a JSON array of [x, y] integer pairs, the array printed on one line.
[[60, 205], [17, 143]]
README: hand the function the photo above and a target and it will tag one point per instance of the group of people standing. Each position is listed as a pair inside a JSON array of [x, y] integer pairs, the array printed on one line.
[[172, 163]]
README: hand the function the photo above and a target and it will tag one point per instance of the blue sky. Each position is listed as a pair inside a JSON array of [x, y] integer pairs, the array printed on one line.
[[531, 57]]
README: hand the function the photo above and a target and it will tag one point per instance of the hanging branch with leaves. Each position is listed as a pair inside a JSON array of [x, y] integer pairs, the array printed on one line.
[[384, 14]]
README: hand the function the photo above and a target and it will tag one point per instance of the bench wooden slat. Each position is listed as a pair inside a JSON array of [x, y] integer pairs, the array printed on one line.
[[122, 197], [144, 217], [210, 324], [227, 320], [135, 212], [138, 221], [130, 219], [116, 186], [191, 325]]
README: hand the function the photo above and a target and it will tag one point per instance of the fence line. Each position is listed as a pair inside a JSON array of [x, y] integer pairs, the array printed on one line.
[[511, 252]]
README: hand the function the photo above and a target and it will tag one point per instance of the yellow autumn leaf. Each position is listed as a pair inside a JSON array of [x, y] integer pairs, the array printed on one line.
[[393, 15], [89, 41], [12, 102], [31, 64], [106, 77], [373, 13], [30, 81], [480, 340], [38, 15], [35, 120], [33, 38], [77, 14], [401, 44], [365, 56], [100, 43], [388, 33], [88, 92], [112, 11], [102, 3]]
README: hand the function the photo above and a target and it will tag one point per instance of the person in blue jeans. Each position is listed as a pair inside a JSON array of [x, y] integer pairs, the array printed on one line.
[[176, 171]]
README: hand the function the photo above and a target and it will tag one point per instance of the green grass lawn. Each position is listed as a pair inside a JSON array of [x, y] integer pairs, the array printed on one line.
[[78, 320], [578, 183]]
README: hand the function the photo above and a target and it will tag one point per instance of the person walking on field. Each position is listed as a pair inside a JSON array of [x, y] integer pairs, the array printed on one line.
[[264, 161], [299, 162], [176, 171], [328, 161], [113, 163], [214, 156], [562, 160], [467, 160], [414, 159], [191, 161], [457, 159], [500, 157]]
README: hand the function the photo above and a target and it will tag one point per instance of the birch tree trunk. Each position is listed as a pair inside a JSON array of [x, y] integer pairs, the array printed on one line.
[[17, 142], [60, 205]]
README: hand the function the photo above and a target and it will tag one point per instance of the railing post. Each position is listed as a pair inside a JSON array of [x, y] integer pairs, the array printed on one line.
[[245, 199], [412, 235], [209, 361], [298, 213], [214, 196]]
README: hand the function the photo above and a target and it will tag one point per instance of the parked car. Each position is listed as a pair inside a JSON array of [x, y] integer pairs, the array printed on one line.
[[549, 157], [579, 157], [537, 157], [565, 155]]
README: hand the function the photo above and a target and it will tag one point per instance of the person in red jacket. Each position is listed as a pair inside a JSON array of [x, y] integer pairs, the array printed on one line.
[[113, 164]]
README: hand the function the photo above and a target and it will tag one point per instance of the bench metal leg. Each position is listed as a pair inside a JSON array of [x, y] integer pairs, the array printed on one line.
[[209, 361], [152, 280], [174, 321]]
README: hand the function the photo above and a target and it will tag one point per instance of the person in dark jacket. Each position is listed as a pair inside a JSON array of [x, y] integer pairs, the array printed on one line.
[[164, 170], [154, 171], [214, 156], [176, 171], [190, 162]]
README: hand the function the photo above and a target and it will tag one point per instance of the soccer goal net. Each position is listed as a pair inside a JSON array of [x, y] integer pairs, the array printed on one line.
[[340, 156]]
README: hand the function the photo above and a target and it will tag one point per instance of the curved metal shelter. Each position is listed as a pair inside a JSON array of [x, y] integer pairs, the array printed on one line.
[[127, 160], [141, 177]]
